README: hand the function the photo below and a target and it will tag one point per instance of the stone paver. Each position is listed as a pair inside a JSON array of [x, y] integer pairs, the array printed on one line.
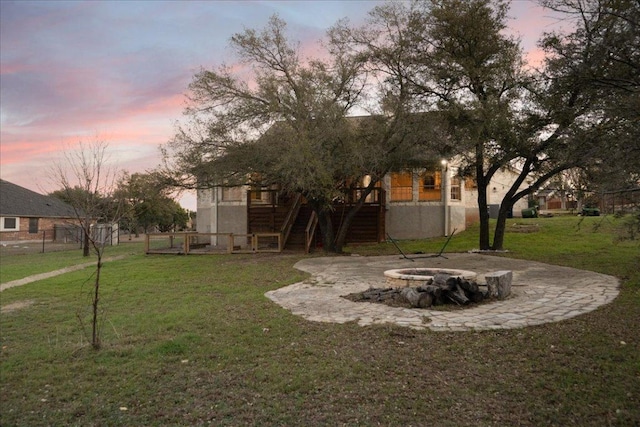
[[541, 293]]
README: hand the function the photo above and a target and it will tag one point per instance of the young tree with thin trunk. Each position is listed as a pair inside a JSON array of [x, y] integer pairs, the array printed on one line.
[[87, 182]]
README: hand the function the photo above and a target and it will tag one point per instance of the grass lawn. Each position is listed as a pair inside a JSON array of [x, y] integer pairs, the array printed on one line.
[[191, 340], [27, 260]]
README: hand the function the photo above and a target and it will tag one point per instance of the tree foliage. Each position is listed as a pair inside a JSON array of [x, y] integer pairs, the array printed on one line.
[[436, 77], [287, 124], [502, 115], [457, 61], [599, 64], [148, 203]]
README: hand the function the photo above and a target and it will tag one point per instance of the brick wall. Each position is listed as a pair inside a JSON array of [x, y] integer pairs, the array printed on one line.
[[46, 225]]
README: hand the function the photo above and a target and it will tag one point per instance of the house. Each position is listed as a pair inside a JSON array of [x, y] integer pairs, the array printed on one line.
[[412, 204], [554, 199], [26, 215]]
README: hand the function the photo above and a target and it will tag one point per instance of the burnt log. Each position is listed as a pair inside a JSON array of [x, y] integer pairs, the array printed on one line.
[[478, 296], [468, 286], [433, 290], [458, 296], [442, 280], [379, 295], [442, 289], [473, 291], [417, 299]]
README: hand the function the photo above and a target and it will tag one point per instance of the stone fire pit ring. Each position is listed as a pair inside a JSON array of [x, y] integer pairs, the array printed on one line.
[[411, 277]]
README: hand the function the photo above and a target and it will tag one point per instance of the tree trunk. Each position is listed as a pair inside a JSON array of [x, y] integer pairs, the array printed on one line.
[[85, 240], [483, 211], [341, 236], [501, 225], [326, 229], [95, 333]]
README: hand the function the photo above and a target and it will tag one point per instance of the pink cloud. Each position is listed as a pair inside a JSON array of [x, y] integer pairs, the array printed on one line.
[[15, 68], [119, 70], [535, 58]]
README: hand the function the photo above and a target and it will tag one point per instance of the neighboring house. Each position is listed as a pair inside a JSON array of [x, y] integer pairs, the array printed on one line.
[[26, 215], [414, 204], [554, 199]]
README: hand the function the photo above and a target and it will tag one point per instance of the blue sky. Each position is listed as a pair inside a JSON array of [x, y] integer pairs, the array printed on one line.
[[118, 71]]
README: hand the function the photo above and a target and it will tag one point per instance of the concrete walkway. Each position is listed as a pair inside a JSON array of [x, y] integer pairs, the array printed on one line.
[[541, 293], [42, 276]]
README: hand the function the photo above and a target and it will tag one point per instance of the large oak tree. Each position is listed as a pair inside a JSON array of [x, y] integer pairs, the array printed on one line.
[[449, 58], [602, 56], [285, 119], [501, 114]]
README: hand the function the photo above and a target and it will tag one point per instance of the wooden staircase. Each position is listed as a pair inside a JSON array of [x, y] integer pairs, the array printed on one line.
[[297, 237], [293, 220], [267, 219]]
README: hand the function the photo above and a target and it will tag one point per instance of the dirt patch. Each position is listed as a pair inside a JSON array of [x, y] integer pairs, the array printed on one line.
[[15, 306], [524, 228]]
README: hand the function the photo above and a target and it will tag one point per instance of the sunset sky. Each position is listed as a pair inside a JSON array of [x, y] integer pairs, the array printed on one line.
[[118, 71]]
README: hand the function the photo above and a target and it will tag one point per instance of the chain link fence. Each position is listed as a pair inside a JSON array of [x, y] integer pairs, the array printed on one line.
[[60, 238]]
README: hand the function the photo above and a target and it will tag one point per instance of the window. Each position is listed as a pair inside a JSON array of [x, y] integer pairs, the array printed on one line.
[[470, 183], [455, 188], [401, 186], [33, 225], [231, 193], [430, 183], [9, 224], [256, 193], [260, 195]]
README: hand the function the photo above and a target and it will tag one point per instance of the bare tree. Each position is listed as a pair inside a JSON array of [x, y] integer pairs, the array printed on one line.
[[87, 182]]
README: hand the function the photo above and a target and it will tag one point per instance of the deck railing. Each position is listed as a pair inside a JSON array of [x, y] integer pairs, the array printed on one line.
[[290, 219], [310, 231], [207, 243]]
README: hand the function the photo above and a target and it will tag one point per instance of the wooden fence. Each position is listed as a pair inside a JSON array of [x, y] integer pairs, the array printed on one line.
[[186, 243]]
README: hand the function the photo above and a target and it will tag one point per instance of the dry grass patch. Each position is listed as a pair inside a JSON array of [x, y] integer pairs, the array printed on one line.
[[14, 306]]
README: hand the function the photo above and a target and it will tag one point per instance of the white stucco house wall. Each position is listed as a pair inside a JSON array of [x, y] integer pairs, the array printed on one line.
[[417, 204]]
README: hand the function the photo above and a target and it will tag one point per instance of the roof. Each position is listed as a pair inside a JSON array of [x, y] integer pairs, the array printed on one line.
[[18, 201]]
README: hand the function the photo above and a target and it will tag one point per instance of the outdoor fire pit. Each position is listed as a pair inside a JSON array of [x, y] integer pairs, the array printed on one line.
[[410, 277], [424, 287]]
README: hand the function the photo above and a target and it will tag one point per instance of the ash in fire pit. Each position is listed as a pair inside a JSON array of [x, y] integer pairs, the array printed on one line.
[[440, 288]]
